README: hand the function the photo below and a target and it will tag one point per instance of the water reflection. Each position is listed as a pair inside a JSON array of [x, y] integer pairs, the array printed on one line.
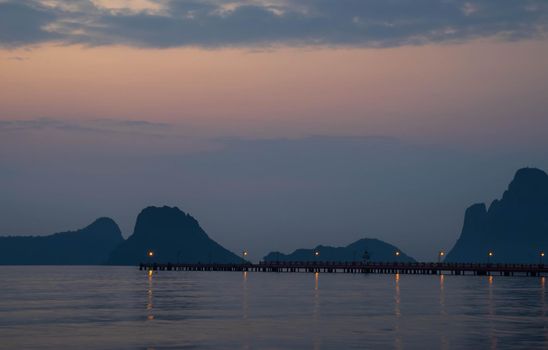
[[543, 302], [492, 313], [442, 295], [543, 295], [398, 344], [397, 296], [444, 341], [150, 298], [107, 308], [316, 313], [316, 296], [246, 339], [245, 301]]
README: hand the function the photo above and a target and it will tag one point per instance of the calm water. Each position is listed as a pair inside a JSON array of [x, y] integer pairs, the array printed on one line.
[[122, 308]]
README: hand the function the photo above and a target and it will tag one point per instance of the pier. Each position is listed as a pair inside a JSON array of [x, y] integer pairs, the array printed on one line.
[[420, 268]]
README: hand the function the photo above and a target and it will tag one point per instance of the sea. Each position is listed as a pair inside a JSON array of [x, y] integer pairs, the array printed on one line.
[[101, 307]]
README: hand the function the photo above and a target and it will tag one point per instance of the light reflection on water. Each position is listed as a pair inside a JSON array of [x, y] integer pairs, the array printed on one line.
[[444, 341], [316, 311], [397, 312], [150, 303], [122, 308]]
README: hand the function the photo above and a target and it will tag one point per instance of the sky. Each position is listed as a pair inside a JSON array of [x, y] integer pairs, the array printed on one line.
[[277, 124]]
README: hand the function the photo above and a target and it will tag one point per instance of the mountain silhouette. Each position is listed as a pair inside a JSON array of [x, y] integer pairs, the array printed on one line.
[[377, 251], [514, 228], [88, 246], [172, 236]]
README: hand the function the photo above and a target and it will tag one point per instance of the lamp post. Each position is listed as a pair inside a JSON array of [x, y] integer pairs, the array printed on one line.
[[316, 256], [397, 254], [541, 258], [441, 254], [150, 256], [489, 256], [244, 255]]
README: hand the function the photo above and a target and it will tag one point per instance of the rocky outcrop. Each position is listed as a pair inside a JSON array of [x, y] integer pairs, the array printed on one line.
[[88, 246], [172, 236], [514, 228]]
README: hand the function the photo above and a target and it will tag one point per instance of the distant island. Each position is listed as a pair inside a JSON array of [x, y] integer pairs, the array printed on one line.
[[171, 236], [366, 249], [513, 229], [166, 233], [88, 246]]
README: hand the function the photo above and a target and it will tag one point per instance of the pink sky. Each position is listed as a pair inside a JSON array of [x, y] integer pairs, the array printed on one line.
[[481, 90]]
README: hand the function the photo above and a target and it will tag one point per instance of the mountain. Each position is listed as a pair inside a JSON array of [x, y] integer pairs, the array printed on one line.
[[88, 246], [377, 251], [172, 236], [514, 228]]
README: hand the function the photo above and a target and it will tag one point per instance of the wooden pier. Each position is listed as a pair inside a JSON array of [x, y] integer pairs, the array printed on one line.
[[532, 270]]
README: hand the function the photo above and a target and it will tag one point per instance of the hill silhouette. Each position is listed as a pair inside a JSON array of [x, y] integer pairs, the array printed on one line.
[[377, 251], [88, 246], [173, 236], [514, 228]]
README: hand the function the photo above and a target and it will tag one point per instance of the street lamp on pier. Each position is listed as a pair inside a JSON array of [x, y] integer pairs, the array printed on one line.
[[489, 256], [316, 257], [441, 254], [150, 256]]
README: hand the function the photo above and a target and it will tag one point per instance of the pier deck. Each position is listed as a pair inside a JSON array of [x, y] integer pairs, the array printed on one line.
[[358, 267]]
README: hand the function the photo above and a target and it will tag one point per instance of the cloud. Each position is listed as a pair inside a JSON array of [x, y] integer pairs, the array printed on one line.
[[103, 125], [17, 58], [22, 23], [129, 123], [251, 23]]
